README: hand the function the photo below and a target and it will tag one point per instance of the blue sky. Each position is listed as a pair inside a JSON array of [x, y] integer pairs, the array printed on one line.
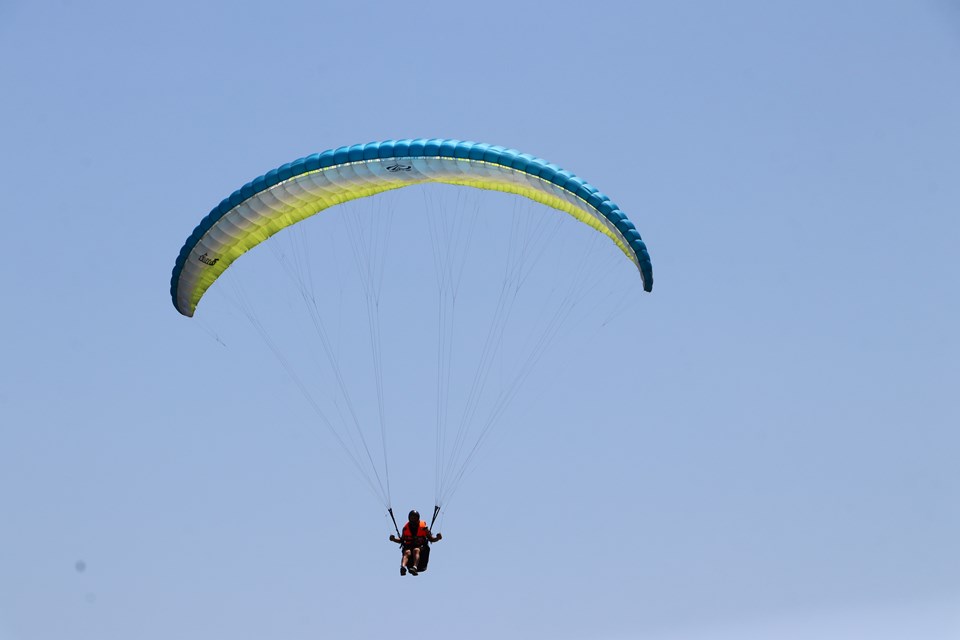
[[765, 446]]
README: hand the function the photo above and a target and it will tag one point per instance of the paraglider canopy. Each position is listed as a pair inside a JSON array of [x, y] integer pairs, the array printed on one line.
[[309, 185]]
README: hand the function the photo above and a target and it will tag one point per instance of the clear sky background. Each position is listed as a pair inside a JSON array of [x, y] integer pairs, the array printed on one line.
[[765, 446]]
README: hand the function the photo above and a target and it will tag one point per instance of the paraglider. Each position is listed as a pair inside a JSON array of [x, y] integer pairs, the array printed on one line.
[[300, 189], [415, 544]]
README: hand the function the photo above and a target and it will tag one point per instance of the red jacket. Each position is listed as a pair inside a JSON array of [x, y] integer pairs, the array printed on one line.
[[415, 540]]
